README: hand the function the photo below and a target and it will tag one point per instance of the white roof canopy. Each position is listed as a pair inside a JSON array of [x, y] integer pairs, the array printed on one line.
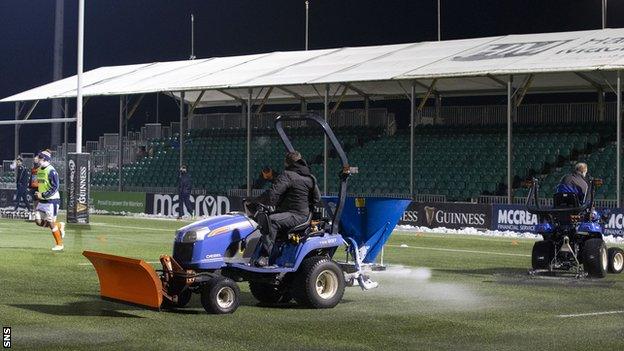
[[568, 61]]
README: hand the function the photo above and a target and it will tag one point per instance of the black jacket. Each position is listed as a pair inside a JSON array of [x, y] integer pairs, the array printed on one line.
[[22, 177], [295, 190], [185, 184], [576, 182]]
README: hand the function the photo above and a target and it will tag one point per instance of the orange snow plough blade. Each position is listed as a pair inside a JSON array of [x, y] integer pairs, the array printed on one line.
[[126, 279]]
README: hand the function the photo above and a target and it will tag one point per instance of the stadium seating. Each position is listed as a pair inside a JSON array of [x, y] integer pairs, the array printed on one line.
[[217, 158], [598, 153], [601, 164], [460, 162], [8, 177]]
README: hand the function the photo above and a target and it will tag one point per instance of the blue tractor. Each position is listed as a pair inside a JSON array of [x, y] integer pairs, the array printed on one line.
[[211, 256], [572, 231]]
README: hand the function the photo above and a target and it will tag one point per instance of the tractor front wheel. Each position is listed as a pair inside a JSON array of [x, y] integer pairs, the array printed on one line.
[[319, 283], [220, 295]]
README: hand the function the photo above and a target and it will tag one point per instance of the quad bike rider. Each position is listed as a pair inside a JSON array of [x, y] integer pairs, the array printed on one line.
[[294, 193]]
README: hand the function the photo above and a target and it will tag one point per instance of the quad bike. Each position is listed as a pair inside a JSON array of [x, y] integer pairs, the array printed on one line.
[[572, 231]]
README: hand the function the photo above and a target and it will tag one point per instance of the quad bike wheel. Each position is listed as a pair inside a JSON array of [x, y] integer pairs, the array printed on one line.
[[542, 254], [319, 283], [268, 293], [220, 295], [595, 259], [616, 260]]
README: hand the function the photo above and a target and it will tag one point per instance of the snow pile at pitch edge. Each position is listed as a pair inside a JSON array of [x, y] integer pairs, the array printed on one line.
[[403, 228], [492, 233]]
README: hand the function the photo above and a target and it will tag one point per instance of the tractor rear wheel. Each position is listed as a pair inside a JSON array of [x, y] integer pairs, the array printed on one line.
[[542, 255], [595, 259], [319, 283], [616, 260], [220, 295]]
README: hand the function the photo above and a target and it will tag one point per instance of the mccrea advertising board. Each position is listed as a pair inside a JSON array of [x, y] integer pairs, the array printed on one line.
[[513, 218]]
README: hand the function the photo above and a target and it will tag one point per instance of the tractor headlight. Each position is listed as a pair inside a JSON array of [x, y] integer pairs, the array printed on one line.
[[189, 237], [195, 235]]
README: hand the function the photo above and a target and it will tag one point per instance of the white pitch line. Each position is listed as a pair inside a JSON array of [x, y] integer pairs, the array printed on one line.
[[589, 314], [460, 250], [129, 227]]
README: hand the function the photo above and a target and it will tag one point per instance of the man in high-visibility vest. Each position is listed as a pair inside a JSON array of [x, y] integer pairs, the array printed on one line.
[[49, 199]]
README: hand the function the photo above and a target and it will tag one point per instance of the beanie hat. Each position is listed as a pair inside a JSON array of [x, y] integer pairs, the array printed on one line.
[[45, 155]]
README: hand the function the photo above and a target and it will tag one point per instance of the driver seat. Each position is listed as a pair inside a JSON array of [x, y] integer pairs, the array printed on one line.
[[300, 228], [566, 200]]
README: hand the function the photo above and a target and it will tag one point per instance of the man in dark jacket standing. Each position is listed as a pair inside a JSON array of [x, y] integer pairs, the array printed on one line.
[[293, 194], [22, 181], [265, 179], [185, 186]]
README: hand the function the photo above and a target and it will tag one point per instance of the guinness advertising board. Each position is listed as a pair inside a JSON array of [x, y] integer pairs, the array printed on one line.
[[447, 215], [77, 182]]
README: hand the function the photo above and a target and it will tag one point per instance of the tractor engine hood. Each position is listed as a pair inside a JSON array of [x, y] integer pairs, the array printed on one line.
[[215, 226]]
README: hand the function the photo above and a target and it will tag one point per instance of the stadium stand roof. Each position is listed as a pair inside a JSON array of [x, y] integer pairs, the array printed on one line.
[[566, 61]]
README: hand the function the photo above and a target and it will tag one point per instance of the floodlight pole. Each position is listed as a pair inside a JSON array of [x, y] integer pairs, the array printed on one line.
[[248, 161], [66, 129], [307, 22], [55, 135], [119, 142], [509, 136], [604, 14], [192, 37], [439, 23], [619, 139], [326, 117], [16, 130], [79, 76], [181, 138], [412, 121]]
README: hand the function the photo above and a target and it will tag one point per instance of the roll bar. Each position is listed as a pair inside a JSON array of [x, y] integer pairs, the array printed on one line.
[[346, 169]]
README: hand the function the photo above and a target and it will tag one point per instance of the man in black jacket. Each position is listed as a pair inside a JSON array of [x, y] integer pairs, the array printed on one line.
[[293, 194], [265, 179], [22, 180], [575, 182], [185, 186]]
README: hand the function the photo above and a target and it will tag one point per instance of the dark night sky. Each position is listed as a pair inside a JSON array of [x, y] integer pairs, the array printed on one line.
[[135, 31]]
